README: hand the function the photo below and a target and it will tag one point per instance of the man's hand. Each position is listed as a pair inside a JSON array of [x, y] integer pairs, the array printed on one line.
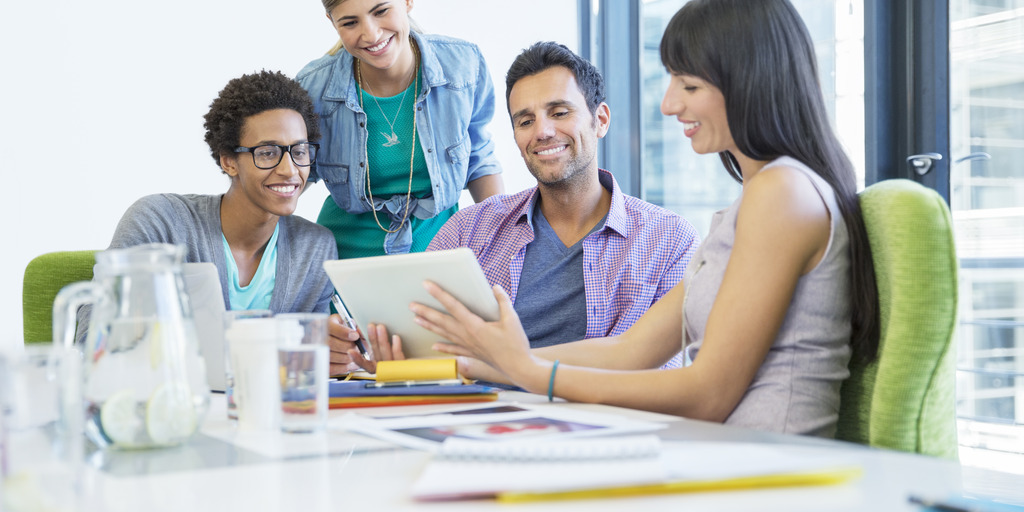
[[341, 340], [380, 348]]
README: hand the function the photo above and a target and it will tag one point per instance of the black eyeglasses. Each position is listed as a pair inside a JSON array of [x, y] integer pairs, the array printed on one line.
[[269, 156]]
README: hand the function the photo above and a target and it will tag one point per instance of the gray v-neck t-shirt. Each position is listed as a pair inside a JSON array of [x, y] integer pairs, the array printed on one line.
[[551, 301]]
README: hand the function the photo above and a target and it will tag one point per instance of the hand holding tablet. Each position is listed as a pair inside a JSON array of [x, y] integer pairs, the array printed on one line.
[[379, 290]]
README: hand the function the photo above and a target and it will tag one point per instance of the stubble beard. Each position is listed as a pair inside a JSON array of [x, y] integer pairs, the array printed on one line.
[[572, 176]]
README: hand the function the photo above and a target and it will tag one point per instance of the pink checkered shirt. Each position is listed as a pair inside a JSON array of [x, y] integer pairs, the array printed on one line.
[[637, 258]]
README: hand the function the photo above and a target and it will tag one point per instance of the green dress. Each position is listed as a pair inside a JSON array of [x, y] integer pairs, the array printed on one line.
[[389, 123]]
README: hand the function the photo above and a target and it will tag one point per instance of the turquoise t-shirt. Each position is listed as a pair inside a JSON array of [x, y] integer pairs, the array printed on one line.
[[257, 294]]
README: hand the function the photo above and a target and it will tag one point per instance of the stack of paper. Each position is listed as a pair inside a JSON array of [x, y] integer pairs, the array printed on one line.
[[409, 382], [470, 469], [577, 469], [361, 393]]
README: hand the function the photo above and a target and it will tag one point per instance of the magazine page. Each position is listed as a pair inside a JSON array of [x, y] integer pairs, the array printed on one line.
[[495, 424]]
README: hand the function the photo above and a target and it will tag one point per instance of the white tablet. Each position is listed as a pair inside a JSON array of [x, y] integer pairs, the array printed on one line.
[[379, 290]]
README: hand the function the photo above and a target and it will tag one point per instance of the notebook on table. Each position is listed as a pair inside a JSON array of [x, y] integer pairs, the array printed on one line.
[[610, 467]]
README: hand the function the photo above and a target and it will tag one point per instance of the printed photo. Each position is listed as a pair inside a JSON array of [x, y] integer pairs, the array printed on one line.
[[500, 430]]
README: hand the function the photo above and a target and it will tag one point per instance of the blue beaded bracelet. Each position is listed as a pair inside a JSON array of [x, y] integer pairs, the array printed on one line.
[[551, 382]]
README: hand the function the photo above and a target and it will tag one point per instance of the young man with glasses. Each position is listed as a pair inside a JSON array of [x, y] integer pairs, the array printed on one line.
[[266, 258]]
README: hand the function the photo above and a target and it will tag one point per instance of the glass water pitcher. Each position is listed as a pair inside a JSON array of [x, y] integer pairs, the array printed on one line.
[[144, 379]]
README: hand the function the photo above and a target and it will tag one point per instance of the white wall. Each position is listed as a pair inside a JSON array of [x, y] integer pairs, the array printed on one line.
[[102, 102]]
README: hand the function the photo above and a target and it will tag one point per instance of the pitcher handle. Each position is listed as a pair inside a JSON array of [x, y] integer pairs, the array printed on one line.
[[65, 309]]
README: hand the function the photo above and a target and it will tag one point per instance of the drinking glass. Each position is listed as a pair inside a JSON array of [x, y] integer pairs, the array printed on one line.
[[41, 428], [303, 367], [313, 328]]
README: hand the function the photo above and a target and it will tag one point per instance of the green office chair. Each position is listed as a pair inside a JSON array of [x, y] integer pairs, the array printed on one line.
[[904, 400], [44, 277]]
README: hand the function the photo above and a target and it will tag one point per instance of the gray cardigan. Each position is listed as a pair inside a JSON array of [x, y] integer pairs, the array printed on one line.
[[301, 284]]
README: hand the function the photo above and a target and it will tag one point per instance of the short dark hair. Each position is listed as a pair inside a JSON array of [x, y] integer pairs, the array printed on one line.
[[546, 54], [247, 96], [759, 54]]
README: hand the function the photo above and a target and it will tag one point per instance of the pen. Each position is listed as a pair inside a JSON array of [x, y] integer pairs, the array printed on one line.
[[938, 505], [410, 383], [349, 322]]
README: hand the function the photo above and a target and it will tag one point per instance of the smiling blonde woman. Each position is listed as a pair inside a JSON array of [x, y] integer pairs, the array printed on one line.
[[404, 116]]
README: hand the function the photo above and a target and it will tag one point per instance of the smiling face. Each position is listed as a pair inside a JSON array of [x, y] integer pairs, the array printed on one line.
[[374, 31], [556, 133], [700, 106], [275, 191]]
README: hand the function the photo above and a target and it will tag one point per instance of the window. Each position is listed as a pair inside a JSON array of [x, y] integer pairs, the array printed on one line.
[[704, 188], [987, 199]]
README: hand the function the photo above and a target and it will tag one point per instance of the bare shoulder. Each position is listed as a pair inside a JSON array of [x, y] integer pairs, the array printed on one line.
[[781, 204], [782, 193]]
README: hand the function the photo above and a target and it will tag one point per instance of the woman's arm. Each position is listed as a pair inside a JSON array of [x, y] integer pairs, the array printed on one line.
[[482, 160], [627, 351], [486, 186], [655, 337], [782, 232]]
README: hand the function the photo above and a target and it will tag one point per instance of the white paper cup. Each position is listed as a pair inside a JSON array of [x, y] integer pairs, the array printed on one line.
[[230, 317], [252, 344]]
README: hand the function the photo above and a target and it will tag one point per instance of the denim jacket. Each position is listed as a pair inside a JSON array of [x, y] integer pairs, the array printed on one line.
[[453, 107]]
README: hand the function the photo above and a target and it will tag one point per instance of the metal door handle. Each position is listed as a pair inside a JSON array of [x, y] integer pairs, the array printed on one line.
[[979, 155], [923, 163]]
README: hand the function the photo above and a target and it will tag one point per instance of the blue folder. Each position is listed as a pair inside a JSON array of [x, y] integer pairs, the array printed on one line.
[[351, 388]]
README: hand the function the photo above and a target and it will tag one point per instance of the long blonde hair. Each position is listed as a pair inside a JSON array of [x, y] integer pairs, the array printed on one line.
[[329, 6]]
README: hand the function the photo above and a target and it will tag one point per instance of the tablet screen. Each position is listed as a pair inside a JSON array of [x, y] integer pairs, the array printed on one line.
[[379, 290]]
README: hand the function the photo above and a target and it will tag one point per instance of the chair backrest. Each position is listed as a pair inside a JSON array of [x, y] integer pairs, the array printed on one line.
[[44, 277], [904, 399]]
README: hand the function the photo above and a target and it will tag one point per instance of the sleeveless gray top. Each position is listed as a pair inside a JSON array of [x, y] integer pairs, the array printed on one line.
[[796, 390]]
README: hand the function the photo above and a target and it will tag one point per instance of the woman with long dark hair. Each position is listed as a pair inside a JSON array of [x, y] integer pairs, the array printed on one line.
[[782, 291]]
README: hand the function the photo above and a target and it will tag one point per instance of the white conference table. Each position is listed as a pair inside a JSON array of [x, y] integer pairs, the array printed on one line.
[[222, 469]]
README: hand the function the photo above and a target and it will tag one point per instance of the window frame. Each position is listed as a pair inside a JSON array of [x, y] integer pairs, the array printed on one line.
[[602, 32], [907, 65], [906, 59]]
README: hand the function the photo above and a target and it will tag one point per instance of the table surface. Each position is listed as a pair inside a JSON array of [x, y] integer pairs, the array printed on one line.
[[222, 469]]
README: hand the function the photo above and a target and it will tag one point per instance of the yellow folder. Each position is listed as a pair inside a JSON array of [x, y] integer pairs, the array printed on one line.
[[417, 369]]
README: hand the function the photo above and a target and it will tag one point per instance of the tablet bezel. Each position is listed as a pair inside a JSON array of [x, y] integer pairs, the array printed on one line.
[[379, 289]]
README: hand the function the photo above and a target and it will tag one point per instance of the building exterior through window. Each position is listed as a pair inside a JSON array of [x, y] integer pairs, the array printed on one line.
[[987, 199]]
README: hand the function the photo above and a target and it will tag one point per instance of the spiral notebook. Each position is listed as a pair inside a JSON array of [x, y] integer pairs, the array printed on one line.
[[585, 449], [621, 466], [470, 468]]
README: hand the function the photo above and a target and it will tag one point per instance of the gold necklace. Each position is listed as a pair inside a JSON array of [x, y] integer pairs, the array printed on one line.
[[412, 158], [392, 139]]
